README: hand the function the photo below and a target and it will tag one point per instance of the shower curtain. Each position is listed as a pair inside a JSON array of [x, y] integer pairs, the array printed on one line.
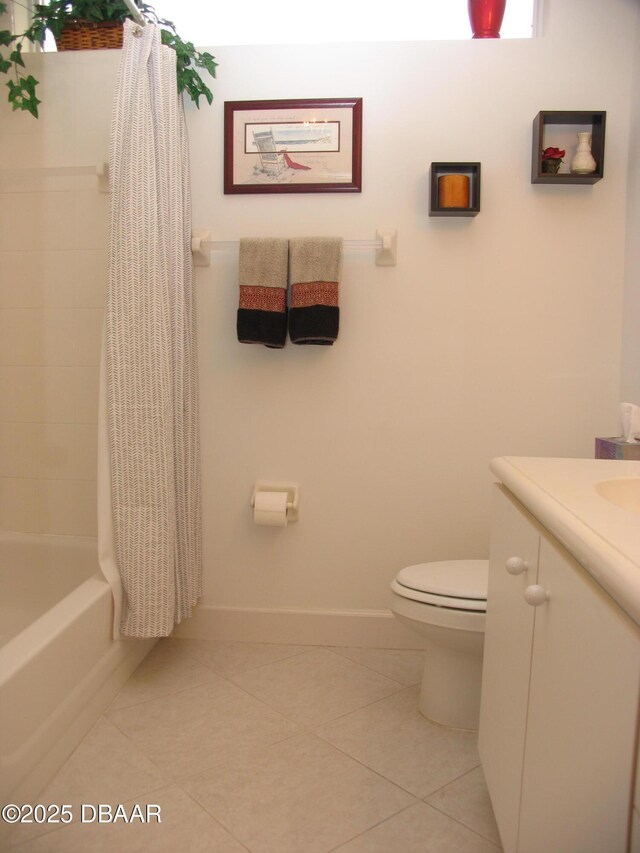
[[152, 536]]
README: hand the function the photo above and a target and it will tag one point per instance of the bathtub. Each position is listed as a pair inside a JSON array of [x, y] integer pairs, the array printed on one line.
[[59, 665]]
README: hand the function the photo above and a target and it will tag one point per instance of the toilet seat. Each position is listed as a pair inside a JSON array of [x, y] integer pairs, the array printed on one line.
[[454, 584]]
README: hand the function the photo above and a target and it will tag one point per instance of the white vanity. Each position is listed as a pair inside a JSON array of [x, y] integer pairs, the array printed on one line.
[[561, 678]]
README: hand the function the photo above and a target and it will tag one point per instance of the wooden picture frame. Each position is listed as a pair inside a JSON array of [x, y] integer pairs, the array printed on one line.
[[293, 146]]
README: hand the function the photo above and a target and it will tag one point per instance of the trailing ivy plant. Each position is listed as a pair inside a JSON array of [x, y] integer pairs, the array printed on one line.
[[57, 13]]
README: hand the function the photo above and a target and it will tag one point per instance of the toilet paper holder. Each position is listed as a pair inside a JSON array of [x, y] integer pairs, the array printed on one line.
[[290, 488]]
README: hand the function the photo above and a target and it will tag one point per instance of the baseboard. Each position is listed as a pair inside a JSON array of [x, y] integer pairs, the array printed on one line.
[[358, 628]]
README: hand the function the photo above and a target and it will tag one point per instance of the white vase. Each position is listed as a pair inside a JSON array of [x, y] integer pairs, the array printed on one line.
[[583, 162]]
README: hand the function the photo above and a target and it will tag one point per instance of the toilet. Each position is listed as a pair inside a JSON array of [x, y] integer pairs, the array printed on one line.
[[446, 603]]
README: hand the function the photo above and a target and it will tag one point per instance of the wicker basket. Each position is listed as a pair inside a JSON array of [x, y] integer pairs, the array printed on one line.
[[87, 35]]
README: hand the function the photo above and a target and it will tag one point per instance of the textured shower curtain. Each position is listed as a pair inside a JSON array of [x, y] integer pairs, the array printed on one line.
[[151, 400]]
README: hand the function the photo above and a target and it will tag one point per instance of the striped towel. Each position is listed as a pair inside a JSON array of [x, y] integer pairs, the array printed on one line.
[[262, 311], [315, 266]]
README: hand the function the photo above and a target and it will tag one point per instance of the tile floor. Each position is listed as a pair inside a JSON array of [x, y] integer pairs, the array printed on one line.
[[272, 749]]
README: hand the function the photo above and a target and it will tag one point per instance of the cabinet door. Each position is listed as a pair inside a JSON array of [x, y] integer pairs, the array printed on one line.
[[585, 674], [507, 661]]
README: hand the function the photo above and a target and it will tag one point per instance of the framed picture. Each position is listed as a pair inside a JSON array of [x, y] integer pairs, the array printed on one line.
[[293, 146]]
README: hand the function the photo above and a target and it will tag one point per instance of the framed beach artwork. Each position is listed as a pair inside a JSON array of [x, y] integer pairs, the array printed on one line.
[[293, 146]]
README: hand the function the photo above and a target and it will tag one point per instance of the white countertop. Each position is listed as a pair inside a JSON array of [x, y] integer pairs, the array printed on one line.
[[603, 537]]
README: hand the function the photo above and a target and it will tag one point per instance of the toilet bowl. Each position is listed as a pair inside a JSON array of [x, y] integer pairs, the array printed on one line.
[[445, 603]]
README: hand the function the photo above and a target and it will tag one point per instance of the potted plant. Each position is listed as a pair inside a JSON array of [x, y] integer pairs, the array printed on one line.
[[101, 16]]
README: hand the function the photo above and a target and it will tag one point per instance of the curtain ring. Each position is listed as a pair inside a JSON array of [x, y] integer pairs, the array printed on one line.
[[137, 31]]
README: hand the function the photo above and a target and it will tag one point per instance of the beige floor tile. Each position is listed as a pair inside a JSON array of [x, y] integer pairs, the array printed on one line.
[[228, 658], [419, 829], [395, 740], [260, 781], [194, 730], [300, 796], [467, 801], [168, 668], [184, 826], [105, 767], [401, 665], [316, 686]]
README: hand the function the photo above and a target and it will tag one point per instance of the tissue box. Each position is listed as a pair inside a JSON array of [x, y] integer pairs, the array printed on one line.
[[617, 448]]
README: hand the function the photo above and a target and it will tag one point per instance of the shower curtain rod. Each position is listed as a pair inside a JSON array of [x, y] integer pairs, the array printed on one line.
[[135, 12]]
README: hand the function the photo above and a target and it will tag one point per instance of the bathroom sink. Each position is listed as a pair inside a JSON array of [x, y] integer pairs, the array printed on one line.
[[623, 492]]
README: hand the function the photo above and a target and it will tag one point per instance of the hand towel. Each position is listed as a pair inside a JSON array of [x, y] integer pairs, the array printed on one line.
[[262, 310], [315, 267]]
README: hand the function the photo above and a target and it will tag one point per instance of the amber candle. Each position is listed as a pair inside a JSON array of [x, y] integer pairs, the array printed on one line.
[[453, 191]]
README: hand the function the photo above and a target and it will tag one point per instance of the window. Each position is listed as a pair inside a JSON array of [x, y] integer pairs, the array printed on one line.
[[253, 22]]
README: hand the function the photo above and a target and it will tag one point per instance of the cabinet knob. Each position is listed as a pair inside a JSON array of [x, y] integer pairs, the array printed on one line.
[[516, 565], [535, 595]]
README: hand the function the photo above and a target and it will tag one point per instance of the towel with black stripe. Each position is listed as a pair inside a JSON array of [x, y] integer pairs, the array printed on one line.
[[262, 309], [315, 269]]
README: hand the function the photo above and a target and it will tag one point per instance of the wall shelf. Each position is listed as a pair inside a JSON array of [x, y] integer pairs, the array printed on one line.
[[548, 126], [472, 171]]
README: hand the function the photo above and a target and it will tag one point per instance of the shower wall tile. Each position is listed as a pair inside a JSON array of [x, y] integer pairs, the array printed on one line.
[[38, 220], [87, 336], [20, 449], [22, 123], [29, 281], [36, 150], [91, 222], [50, 336], [90, 269], [19, 505], [20, 336], [68, 451], [70, 394], [38, 280], [84, 385], [48, 451], [65, 507], [58, 110], [68, 507], [54, 279], [62, 394], [95, 81], [21, 390], [92, 146], [58, 327], [53, 245]]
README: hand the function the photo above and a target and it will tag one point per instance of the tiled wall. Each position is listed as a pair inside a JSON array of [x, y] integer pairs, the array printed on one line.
[[53, 260]]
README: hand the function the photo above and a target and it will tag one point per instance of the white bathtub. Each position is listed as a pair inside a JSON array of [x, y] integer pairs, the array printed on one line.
[[59, 666]]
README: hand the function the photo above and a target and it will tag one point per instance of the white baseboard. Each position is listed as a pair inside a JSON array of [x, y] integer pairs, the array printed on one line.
[[359, 628]]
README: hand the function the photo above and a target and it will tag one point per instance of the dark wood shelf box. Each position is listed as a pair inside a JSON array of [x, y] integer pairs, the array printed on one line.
[[472, 171], [548, 121]]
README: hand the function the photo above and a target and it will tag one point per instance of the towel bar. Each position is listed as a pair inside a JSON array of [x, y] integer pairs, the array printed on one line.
[[385, 246]]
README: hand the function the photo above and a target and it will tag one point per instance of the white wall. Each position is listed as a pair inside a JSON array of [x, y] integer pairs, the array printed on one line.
[[494, 335], [630, 380]]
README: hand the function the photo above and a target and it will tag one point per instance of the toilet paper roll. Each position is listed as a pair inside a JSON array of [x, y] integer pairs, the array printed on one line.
[[270, 509]]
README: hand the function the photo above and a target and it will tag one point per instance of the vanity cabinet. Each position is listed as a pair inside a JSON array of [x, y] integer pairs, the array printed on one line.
[[559, 707]]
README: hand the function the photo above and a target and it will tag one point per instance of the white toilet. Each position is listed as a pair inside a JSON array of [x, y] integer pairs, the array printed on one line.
[[446, 603]]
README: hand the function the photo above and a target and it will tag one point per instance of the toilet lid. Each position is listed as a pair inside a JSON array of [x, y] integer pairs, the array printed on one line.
[[450, 583]]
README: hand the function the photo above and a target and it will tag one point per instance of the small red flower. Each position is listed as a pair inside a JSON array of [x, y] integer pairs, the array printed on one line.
[[553, 154]]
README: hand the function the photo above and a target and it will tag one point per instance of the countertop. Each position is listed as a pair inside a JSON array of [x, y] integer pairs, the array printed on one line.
[[602, 537]]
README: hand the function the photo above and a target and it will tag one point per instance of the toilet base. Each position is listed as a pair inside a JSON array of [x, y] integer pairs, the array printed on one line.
[[451, 683]]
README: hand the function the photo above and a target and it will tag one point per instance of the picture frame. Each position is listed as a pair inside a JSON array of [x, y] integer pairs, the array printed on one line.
[[293, 146]]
